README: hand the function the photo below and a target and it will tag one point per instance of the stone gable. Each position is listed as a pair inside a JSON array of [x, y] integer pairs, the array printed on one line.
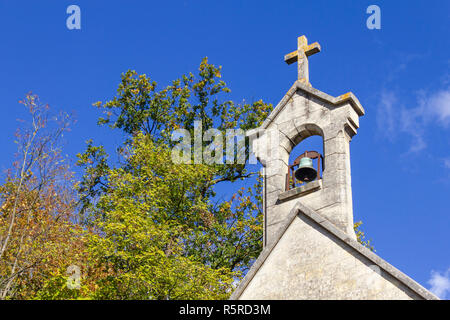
[[312, 259]]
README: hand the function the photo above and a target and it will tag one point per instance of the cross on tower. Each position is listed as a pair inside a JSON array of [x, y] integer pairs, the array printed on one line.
[[304, 50]]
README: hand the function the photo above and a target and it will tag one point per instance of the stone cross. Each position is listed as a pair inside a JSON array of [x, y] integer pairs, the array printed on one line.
[[304, 50]]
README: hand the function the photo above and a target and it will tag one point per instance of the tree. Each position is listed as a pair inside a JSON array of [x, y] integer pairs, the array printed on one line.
[[145, 220], [38, 237], [223, 236]]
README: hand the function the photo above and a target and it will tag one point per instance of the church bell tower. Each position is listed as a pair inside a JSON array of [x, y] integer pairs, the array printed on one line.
[[310, 249], [304, 112]]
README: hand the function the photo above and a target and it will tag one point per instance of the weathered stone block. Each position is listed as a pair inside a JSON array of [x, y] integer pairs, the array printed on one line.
[[337, 144], [274, 183], [272, 197], [300, 191]]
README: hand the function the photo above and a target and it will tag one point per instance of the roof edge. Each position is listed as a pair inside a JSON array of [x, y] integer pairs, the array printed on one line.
[[298, 85]]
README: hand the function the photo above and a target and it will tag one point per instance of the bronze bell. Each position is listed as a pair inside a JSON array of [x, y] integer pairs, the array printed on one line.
[[305, 171]]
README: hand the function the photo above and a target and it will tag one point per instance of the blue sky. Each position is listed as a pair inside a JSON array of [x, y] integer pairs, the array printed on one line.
[[400, 156]]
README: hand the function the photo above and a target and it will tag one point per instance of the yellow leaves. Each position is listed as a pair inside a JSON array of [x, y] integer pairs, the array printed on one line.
[[360, 236], [203, 64]]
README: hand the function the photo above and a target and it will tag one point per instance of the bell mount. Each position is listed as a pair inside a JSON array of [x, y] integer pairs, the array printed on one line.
[[291, 181]]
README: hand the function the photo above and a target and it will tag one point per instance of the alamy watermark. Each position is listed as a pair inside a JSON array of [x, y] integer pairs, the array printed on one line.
[[74, 279], [73, 22], [374, 20], [216, 147]]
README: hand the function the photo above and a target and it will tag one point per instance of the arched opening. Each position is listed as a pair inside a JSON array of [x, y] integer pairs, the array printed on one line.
[[312, 148]]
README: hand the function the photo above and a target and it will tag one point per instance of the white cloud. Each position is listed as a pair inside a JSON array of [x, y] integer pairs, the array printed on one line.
[[447, 163], [386, 114], [439, 105], [393, 118], [440, 283], [412, 123]]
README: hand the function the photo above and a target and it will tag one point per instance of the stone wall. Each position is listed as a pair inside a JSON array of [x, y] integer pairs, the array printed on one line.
[[309, 262]]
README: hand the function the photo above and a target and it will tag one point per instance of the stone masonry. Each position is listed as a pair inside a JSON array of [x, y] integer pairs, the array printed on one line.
[[312, 259], [304, 112]]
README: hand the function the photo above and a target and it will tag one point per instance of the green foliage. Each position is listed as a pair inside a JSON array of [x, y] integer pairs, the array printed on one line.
[[94, 183], [160, 232], [361, 236], [56, 288], [145, 220], [140, 107]]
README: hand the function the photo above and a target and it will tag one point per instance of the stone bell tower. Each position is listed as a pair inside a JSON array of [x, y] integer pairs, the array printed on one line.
[[303, 112], [310, 249]]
